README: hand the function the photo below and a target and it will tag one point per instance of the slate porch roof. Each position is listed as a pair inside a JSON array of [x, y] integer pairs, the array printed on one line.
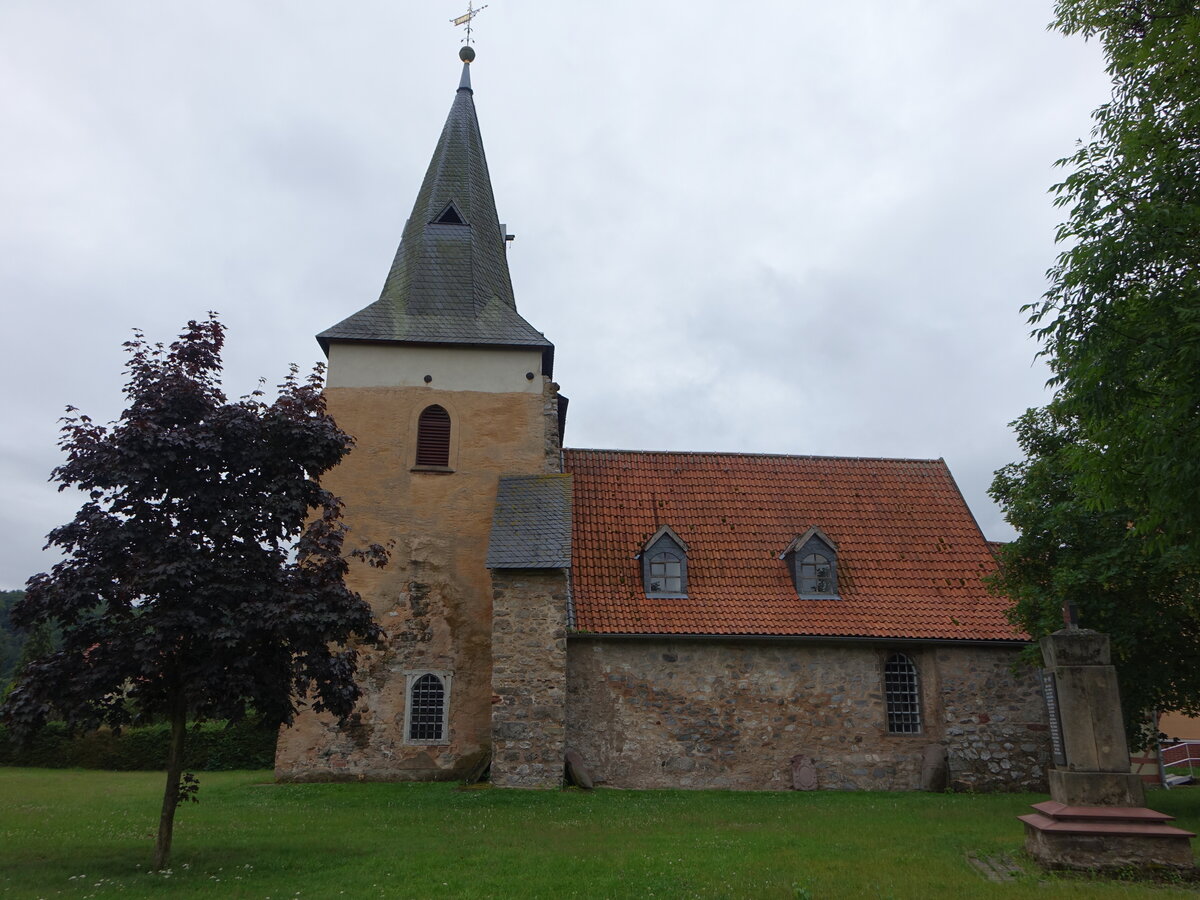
[[910, 554], [531, 523]]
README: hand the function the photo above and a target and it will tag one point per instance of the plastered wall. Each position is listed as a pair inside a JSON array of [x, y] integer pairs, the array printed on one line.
[[434, 600]]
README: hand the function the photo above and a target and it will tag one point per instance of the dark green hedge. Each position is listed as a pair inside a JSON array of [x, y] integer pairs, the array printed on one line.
[[211, 747]]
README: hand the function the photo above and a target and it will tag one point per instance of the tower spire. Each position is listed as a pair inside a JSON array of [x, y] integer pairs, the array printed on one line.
[[449, 282]]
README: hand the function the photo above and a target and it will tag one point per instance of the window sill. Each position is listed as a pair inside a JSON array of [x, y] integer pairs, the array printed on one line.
[[433, 470]]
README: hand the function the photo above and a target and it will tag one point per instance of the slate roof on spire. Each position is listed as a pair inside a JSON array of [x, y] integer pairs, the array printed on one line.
[[449, 283]]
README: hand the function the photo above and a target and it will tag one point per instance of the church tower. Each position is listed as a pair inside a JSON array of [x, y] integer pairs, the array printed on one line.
[[448, 395]]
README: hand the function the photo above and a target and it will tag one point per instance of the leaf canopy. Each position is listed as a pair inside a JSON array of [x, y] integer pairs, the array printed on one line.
[[1107, 500], [205, 566]]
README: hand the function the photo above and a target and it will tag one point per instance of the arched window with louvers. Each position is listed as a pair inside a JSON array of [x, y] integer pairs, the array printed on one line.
[[433, 437]]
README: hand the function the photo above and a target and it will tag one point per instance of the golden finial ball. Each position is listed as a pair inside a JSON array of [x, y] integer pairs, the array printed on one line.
[[467, 53]]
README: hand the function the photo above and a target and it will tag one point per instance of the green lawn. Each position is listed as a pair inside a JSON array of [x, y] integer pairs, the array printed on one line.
[[90, 834]]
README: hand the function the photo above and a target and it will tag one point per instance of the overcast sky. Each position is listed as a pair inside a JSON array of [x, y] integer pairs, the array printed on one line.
[[783, 227]]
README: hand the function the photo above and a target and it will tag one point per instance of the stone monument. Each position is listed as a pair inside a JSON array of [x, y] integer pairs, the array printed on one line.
[[1096, 817]]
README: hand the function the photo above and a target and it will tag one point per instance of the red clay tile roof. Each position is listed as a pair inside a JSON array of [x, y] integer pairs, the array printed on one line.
[[910, 554]]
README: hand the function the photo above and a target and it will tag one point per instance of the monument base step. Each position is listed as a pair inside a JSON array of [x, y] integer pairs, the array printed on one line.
[[1132, 814], [1104, 837]]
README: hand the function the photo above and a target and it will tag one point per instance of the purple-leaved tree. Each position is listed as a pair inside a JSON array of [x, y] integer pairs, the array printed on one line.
[[203, 576]]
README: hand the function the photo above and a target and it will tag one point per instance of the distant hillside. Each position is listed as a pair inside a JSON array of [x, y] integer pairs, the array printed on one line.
[[10, 639]]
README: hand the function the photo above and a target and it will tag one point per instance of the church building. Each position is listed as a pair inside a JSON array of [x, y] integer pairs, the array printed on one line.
[[672, 619]]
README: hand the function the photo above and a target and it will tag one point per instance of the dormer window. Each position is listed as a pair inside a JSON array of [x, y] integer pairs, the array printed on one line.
[[450, 216], [666, 574], [812, 561], [816, 575], [664, 564]]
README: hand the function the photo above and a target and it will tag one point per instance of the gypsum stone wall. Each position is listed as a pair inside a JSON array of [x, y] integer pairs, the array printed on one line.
[[732, 714], [434, 598], [553, 439], [529, 664], [371, 745], [994, 719]]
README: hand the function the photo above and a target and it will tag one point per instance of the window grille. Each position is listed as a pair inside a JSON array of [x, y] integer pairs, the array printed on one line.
[[903, 696], [433, 437], [427, 709], [816, 575], [666, 574]]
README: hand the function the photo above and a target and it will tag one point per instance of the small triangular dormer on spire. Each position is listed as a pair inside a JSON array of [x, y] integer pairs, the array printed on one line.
[[449, 285], [450, 216]]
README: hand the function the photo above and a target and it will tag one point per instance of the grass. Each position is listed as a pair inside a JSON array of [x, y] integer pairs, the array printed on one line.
[[89, 834]]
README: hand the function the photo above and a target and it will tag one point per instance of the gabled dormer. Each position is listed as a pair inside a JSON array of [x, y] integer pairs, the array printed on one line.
[[664, 564], [812, 561]]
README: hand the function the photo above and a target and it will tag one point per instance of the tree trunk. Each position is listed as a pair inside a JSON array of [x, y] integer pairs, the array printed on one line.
[[166, 822]]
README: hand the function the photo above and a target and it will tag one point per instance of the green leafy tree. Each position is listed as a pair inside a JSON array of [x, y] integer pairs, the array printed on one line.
[[1075, 553], [41, 641], [10, 638], [1121, 321], [204, 573], [1107, 501]]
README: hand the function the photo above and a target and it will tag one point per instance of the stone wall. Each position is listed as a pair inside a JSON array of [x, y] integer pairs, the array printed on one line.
[[434, 599], [529, 677], [995, 723], [660, 713], [553, 436]]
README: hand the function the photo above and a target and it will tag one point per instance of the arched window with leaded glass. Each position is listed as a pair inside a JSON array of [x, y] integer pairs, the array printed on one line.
[[426, 712]]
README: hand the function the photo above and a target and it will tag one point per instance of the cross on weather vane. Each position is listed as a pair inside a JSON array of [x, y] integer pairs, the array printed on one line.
[[465, 19]]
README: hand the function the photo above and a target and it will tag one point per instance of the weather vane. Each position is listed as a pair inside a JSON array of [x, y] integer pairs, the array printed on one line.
[[465, 19]]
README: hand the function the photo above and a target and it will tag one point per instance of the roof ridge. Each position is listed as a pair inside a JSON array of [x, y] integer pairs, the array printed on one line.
[[912, 459]]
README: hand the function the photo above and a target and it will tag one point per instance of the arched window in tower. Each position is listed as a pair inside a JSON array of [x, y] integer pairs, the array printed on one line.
[[425, 716], [433, 437], [903, 698]]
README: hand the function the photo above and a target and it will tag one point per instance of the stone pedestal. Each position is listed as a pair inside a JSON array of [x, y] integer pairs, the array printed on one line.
[[1096, 818]]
